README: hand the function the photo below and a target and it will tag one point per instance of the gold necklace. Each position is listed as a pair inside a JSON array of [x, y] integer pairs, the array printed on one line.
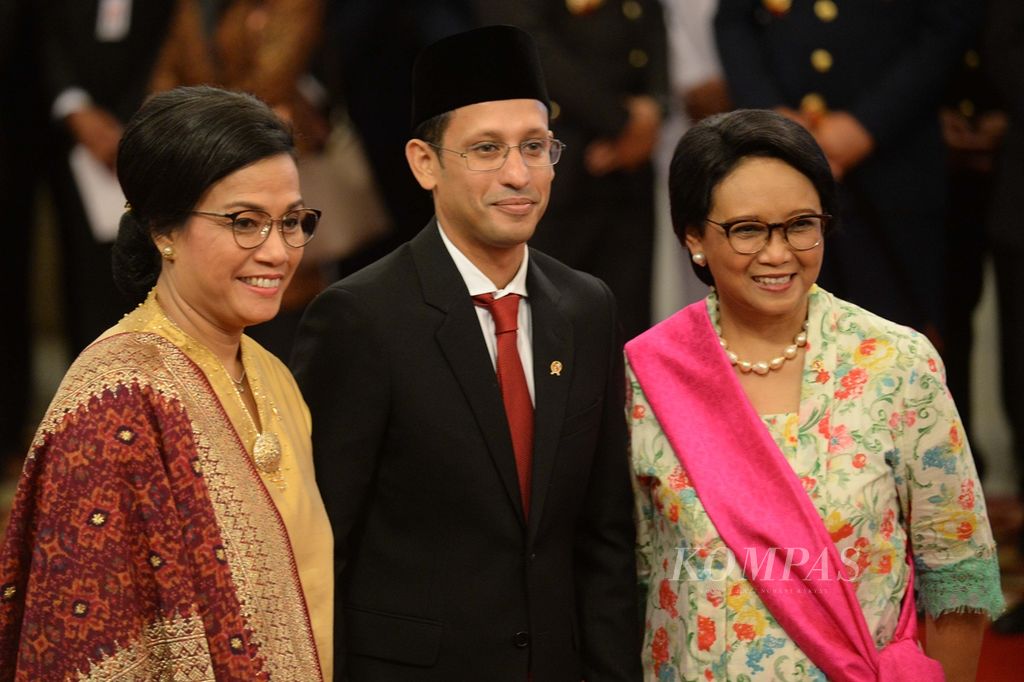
[[239, 382], [266, 449]]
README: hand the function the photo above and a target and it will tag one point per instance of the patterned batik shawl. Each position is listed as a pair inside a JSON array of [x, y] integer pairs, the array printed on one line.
[[143, 544]]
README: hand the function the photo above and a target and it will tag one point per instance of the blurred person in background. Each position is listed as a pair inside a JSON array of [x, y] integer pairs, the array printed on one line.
[[368, 53], [606, 67], [96, 63], [866, 78], [1004, 60], [698, 90], [973, 125], [167, 524]]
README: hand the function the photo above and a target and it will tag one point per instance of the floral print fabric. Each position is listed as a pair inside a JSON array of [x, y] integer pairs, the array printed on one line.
[[879, 448]]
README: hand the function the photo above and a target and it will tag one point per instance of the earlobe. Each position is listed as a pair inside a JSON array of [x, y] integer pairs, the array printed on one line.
[[694, 243], [422, 163]]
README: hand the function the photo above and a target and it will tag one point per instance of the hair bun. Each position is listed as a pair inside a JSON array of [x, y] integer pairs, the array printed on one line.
[[135, 262]]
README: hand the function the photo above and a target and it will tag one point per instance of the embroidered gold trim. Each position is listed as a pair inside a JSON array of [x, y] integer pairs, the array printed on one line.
[[170, 650]]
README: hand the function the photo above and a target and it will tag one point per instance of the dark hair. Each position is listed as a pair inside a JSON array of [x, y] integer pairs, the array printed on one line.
[[176, 146], [432, 130], [710, 150]]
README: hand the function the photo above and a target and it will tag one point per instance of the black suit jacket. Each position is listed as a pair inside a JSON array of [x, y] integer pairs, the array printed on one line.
[[439, 575]]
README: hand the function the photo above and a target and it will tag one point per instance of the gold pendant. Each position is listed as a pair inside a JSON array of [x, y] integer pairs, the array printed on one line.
[[267, 452]]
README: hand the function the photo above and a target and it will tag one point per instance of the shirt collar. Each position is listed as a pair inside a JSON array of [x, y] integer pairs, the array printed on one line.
[[479, 283]]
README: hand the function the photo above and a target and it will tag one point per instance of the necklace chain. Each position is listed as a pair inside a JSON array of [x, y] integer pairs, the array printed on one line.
[[239, 382], [763, 367]]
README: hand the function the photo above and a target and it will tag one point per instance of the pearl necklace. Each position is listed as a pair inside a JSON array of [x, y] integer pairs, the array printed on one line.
[[764, 366]]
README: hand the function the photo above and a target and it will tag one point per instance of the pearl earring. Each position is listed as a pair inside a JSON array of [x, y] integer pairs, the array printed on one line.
[[168, 252], [698, 258]]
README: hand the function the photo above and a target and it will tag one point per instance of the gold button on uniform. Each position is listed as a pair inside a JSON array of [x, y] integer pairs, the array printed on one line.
[[556, 110], [821, 60], [971, 59], [778, 7], [826, 10], [632, 10], [638, 58], [582, 6], [813, 105], [966, 108]]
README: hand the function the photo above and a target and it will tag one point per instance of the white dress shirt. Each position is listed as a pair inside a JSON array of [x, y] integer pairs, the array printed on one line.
[[478, 283]]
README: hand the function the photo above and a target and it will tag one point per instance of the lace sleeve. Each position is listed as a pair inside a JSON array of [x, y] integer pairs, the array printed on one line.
[[968, 586]]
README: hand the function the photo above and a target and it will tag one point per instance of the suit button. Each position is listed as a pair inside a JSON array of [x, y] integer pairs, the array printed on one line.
[[521, 639], [826, 10], [821, 60]]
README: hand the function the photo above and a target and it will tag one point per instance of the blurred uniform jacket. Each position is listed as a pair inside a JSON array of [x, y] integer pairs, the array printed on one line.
[[1004, 43], [594, 58], [596, 54], [886, 62]]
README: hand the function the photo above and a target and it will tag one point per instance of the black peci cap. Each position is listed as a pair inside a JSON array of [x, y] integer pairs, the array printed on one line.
[[483, 65]]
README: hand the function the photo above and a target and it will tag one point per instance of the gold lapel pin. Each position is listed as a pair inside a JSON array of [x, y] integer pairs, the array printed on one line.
[[556, 368]]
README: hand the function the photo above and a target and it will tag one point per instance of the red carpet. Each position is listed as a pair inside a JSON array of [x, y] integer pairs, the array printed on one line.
[[1002, 658]]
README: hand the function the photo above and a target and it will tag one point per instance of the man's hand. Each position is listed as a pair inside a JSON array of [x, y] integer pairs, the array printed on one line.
[[634, 145], [844, 140], [707, 98], [98, 131]]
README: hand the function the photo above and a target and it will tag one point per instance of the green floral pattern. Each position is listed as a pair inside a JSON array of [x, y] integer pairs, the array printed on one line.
[[880, 450]]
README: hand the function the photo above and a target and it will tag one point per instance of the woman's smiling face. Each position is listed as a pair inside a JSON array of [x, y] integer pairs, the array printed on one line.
[[773, 282]]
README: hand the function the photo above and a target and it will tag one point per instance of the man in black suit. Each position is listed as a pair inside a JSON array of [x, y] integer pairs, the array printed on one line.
[[475, 541]]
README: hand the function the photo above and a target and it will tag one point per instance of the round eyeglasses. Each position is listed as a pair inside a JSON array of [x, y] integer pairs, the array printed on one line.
[[802, 232], [491, 156], [252, 227]]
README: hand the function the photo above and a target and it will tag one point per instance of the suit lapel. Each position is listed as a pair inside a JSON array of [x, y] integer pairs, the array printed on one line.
[[462, 344], [552, 343]]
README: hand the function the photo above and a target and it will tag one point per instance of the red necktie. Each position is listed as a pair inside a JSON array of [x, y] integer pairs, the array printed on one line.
[[512, 381]]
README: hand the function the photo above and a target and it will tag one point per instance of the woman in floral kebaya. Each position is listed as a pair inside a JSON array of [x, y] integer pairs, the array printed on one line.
[[799, 466]]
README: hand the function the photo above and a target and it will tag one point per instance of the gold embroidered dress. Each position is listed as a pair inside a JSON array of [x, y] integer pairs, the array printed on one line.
[[145, 544]]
